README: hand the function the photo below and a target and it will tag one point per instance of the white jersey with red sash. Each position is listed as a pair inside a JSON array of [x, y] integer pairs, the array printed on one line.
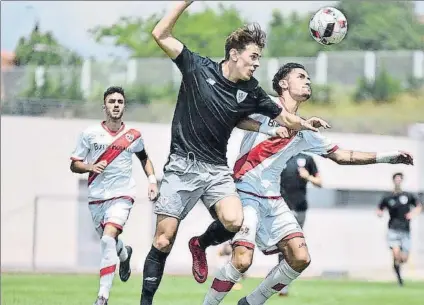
[[262, 158], [98, 143]]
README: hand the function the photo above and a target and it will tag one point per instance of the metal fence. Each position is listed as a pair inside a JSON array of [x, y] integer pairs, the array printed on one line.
[[339, 69], [333, 68]]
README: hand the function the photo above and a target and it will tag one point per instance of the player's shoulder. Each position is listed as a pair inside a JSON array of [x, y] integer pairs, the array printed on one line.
[[202, 60], [134, 129], [409, 195], [93, 129], [387, 197]]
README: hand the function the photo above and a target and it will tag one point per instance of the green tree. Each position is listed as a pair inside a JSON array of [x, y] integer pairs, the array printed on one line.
[[381, 25], [373, 25], [43, 49], [203, 32], [289, 36]]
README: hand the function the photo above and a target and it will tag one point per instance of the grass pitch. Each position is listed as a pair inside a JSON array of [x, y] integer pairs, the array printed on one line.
[[70, 289]]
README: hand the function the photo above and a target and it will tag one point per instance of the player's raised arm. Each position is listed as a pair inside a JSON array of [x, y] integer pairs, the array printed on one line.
[[250, 124], [162, 33], [351, 157]]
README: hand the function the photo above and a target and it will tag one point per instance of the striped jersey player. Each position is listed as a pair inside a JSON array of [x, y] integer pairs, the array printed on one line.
[[268, 222], [105, 151]]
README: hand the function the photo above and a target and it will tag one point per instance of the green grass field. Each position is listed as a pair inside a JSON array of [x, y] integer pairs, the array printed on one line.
[[40, 289]]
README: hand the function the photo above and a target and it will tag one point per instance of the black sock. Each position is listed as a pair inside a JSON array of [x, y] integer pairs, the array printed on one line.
[[215, 234], [396, 266], [152, 274]]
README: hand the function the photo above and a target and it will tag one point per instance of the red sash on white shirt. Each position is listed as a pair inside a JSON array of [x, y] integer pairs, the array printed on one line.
[[115, 149]]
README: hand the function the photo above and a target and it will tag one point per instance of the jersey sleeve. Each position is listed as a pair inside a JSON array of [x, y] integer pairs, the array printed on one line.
[[312, 166], [187, 61], [319, 144], [138, 145], [413, 200], [383, 203], [266, 105], [82, 149]]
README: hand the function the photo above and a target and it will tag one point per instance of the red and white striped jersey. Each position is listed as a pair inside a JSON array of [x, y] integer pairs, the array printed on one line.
[[262, 158], [98, 143]]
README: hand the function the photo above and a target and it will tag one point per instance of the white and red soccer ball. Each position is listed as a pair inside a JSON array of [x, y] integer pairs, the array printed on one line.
[[328, 26]]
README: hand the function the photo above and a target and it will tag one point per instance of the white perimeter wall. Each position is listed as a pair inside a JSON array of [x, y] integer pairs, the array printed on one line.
[[35, 162]]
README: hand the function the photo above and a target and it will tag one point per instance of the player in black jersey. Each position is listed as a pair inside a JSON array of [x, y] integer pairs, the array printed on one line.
[[402, 207], [212, 100]]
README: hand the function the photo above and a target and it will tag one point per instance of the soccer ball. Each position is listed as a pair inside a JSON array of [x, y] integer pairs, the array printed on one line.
[[328, 26]]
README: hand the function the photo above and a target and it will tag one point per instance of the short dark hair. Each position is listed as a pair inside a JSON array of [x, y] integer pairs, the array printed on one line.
[[282, 73], [112, 90], [240, 38], [397, 174]]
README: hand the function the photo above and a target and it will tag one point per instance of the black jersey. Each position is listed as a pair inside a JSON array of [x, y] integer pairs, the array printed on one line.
[[209, 106], [293, 187], [398, 205]]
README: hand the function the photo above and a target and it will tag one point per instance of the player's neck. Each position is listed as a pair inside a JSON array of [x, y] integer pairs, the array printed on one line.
[[289, 104], [229, 73], [397, 190], [113, 125]]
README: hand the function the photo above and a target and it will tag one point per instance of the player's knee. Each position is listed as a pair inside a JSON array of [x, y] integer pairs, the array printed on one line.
[[242, 259], [162, 242], [230, 213], [232, 222], [301, 261], [404, 258]]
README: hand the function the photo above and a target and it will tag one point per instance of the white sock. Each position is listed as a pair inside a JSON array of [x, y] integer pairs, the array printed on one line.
[[285, 289], [279, 277], [107, 265], [121, 250], [225, 279]]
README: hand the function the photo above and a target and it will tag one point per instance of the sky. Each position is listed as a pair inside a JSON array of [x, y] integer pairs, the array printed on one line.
[[70, 20]]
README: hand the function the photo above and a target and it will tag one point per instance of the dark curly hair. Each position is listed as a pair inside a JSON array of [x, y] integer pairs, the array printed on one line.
[[282, 73], [112, 90]]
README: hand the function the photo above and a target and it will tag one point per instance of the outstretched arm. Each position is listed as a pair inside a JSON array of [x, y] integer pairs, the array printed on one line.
[[250, 124], [162, 33], [351, 157]]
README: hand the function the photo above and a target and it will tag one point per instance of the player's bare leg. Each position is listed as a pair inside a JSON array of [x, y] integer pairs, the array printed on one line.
[[296, 259], [229, 212], [108, 262], [166, 231], [397, 262]]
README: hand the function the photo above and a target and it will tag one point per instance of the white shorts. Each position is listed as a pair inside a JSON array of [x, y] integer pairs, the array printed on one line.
[[114, 212], [266, 223]]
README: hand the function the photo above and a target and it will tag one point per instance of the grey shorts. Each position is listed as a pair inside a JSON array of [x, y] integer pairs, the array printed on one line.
[[400, 239], [187, 180]]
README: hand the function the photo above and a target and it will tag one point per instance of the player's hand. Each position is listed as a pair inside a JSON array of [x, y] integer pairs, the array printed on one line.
[[283, 132], [379, 213], [152, 191], [99, 167], [403, 157], [408, 215], [303, 172], [317, 122]]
